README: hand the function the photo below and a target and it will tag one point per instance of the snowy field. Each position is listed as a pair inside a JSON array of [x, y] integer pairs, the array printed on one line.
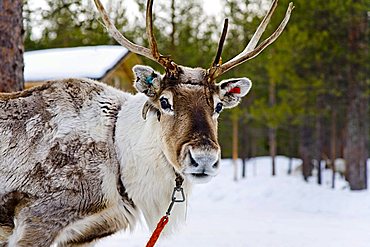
[[265, 211]]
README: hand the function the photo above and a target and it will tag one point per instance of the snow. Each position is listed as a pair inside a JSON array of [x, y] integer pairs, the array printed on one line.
[[265, 211], [87, 61]]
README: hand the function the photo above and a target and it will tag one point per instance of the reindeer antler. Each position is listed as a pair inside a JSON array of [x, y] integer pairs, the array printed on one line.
[[221, 44], [152, 53], [217, 67], [251, 50]]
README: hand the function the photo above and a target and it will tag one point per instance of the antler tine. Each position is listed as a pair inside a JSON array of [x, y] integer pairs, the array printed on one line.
[[170, 66], [250, 51], [261, 28], [152, 53], [221, 43], [119, 37], [149, 30], [213, 71]]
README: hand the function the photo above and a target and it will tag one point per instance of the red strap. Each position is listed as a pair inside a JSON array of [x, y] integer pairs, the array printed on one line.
[[161, 224]]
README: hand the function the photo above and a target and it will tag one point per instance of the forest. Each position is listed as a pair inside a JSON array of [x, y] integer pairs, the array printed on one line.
[[310, 94]]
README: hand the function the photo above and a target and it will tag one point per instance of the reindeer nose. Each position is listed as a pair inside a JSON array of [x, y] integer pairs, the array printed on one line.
[[204, 161]]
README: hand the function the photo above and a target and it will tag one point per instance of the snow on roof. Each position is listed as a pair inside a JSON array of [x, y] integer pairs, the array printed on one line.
[[87, 61]]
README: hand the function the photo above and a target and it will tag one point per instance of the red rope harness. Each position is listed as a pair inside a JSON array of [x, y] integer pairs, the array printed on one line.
[[164, 220], [160, 226]]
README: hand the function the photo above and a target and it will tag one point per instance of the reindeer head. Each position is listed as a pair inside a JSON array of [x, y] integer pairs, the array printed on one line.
[[188, 101], [187, 108]]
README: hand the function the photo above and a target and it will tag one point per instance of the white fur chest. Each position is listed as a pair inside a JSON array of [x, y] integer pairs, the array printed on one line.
[[145, 172]]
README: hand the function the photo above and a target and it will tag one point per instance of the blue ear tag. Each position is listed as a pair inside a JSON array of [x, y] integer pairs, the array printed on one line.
[[149, 80]]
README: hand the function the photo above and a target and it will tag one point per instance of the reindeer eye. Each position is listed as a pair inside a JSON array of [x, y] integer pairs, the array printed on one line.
[[165, 104], [218, 108]]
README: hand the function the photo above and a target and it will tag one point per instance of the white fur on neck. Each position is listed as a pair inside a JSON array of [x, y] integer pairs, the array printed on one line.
[[146, 174]]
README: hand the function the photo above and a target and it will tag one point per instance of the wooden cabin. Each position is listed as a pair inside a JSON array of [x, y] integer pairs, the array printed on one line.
[[110, 64]]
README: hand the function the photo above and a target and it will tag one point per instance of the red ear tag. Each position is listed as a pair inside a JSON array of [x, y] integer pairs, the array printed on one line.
[[235, 90]]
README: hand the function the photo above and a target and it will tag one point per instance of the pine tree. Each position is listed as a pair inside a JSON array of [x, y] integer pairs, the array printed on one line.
[[357, 127]]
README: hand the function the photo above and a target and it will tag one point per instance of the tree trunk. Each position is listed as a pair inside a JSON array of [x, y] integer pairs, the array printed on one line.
[[244, 147], [243, 168], [290, 165], [272, 146], [235, 147], [291, 146], [253, 141], [318, 147], [333, 145], [11, 46], [305, 148], [356, 145], [272, 130]]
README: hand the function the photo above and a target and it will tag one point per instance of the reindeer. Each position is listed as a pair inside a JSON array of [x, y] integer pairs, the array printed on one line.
[[80, 160]]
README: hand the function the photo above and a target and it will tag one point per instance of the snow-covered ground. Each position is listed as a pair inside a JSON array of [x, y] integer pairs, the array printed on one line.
[[265, 211]]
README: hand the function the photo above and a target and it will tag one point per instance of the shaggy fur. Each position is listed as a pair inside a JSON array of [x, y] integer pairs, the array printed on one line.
[[78, 162]]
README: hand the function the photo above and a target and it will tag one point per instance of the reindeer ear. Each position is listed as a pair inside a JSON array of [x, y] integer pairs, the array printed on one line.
[[147, 81], [232, 90]]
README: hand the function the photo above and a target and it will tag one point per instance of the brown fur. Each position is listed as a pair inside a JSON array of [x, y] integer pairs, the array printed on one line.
[[194, 125], [63, 184]]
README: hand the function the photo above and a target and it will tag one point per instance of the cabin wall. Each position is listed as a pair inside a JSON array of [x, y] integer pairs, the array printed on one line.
[[121, 76]]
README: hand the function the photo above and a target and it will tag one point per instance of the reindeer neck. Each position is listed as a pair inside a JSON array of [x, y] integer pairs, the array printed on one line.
[[145, 172]]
